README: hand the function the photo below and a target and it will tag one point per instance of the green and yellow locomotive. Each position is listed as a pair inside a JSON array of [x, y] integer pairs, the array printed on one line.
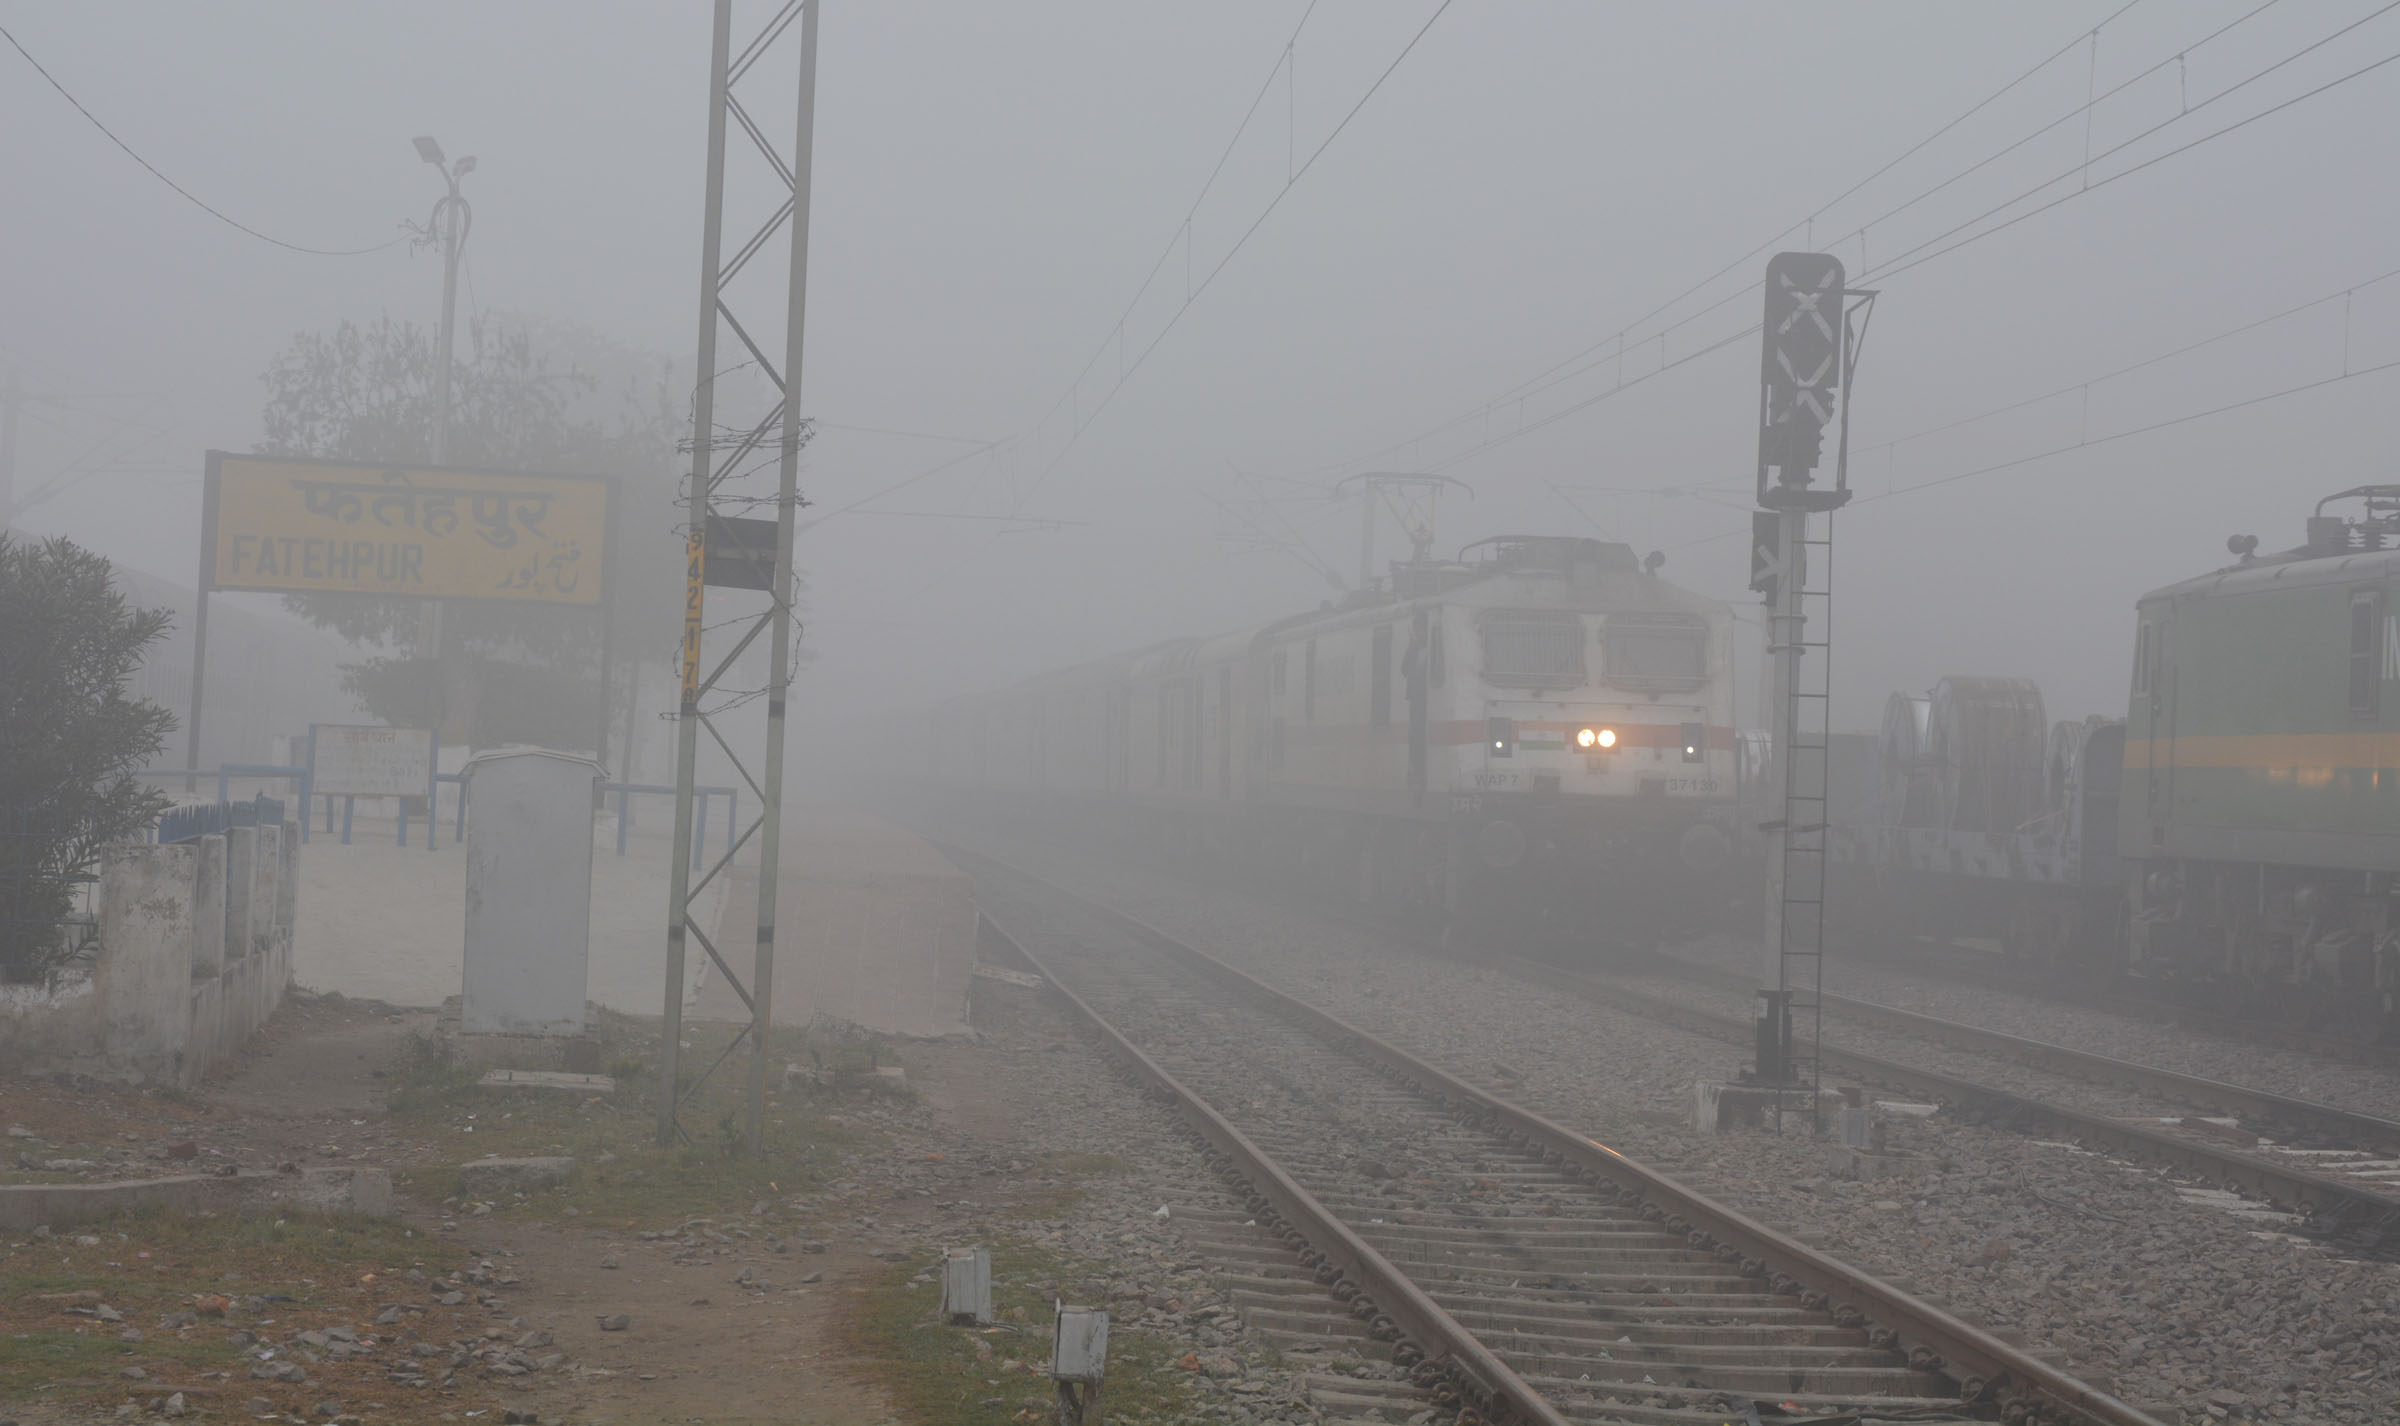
[[2260, 821], [2236, 837]]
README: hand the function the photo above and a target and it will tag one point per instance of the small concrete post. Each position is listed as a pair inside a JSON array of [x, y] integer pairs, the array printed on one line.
[[1078, 1360], [208, 908], [241, 878], [266, 891], [967, 1287], [287, 899]]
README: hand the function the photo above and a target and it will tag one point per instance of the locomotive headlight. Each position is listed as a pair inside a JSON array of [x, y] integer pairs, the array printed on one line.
[[1595, 740], [1608, 737], [1587, 739]]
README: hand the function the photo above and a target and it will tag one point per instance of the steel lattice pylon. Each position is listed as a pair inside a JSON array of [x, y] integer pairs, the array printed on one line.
[[713, 463]]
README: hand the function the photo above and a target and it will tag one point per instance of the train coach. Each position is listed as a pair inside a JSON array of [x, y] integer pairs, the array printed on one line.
[[1537, 734]]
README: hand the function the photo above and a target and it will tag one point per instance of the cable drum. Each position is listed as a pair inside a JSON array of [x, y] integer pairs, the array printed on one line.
[[1904, 794], [1986, 740]]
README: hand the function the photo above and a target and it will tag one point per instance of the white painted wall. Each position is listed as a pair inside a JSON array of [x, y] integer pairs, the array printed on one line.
[[167, 996]]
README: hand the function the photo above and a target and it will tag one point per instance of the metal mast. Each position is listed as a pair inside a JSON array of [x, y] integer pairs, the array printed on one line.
[[1804, 383], [714, 461]]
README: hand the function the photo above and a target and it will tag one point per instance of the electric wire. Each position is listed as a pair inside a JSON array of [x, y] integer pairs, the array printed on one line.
[[194, 199], [1913, 256], [1917, 256], [895, 488], [1292, 179], [1177, 237], [1926, 252], [1540, 380], [2186, 349], [2087, 442], [906, 435]]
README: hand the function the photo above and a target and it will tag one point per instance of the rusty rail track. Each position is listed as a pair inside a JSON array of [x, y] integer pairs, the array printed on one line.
[[1993, 1378], [2347, 1214], [1400, 1311], [1950, 960], [2197, 1090]]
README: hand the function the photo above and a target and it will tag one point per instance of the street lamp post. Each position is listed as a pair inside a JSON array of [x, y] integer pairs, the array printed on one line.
[[448, 226]]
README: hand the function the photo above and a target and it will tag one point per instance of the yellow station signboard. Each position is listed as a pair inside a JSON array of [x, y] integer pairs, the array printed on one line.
[[302, 526]]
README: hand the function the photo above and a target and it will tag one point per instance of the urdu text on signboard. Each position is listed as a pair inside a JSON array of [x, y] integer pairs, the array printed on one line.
[[301, 526]]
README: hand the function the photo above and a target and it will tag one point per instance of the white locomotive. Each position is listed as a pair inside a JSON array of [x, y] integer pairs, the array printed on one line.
[[1538, 734]]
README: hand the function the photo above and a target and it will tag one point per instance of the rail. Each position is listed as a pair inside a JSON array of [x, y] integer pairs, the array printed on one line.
[[2341, 1211], [1986, 1368], [1409, 1312]]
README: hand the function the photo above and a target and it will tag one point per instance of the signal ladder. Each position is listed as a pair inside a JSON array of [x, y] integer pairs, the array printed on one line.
[[1807, 722]]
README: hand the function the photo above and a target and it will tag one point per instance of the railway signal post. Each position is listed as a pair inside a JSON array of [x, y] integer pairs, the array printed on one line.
[[1808, 354]]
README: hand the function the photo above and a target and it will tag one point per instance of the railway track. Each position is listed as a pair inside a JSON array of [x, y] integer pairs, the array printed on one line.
[[2262, 1112], [1504, 1263], [2336, 1177], [1989, 969]]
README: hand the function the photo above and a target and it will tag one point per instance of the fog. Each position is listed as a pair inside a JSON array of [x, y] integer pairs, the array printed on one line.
[[993, 184]]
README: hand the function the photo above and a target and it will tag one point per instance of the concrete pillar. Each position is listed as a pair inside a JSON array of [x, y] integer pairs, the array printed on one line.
[[266, 892], [287, 899], [241, 879], [206, 939], [152, 904]]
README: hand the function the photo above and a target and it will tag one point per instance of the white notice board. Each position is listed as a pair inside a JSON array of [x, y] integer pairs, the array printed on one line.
[[365, 760]]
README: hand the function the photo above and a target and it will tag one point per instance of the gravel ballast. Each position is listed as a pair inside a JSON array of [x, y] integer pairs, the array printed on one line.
[[2186, 1304]]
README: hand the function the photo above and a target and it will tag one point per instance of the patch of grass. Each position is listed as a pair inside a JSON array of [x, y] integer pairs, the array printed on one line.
[[1081, 1165], [1060, 1184], [308, 1271], [623, 1178], [962, 1376]]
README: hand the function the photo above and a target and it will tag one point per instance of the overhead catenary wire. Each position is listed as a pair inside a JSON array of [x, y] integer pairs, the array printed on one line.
[[1618, 338], [1540, 380], [1908, 258], [822, 424], [194, 199], [1194, 289], [2086, 440], [2342, 294], [896, 487], [1179, 237], [1924, 252], [1919, 255]]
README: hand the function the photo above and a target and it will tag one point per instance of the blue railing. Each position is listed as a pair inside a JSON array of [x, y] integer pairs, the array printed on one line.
[[700, 795], [624, 792], [226, 772], [193, 821], [242, 814]]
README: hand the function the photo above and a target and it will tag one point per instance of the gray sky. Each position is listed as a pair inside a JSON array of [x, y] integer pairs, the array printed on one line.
[[993, 183]]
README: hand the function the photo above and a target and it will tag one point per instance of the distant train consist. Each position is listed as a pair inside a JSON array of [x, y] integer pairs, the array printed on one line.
[[1537, 734], [2236, 835]]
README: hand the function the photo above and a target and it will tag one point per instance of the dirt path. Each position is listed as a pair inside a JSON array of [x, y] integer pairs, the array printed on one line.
[[739, 1305]]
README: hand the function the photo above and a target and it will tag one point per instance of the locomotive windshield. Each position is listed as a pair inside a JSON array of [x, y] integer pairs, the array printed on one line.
[[1646, 649], [1530, 651]]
